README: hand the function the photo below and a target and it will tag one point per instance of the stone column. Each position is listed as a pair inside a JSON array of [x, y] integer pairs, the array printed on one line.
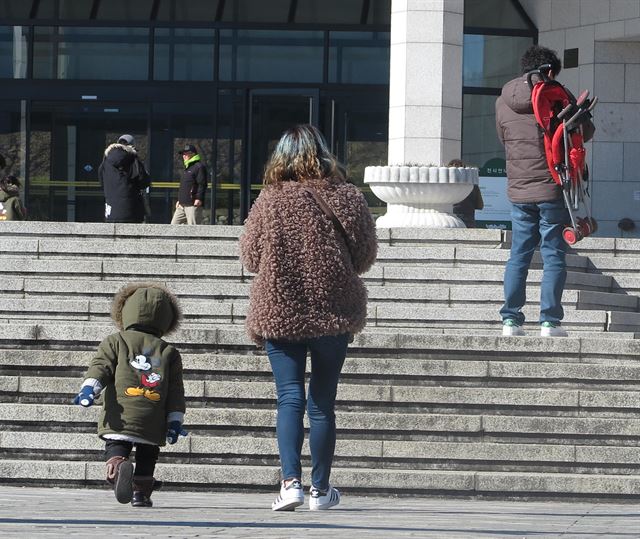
[[425, 94]]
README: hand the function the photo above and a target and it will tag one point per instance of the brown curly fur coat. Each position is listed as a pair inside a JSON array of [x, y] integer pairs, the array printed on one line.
[[307, 284]]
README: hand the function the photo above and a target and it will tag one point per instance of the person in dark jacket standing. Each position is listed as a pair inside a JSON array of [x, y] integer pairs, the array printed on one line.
[[193, 186], [140, 376], [538, 213], [123, 177]]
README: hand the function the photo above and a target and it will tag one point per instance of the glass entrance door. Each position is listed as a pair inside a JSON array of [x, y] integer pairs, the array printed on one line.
[[271, 113], [66, 146]]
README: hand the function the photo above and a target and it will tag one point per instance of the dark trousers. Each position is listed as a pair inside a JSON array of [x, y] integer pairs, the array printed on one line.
[[146, 455]]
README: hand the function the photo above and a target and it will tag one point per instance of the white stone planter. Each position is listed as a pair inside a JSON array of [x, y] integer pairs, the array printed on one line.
[[420, 196]]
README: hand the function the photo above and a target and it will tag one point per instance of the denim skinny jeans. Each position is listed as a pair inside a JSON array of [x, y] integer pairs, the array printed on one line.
[[288, 362], [532, 224]]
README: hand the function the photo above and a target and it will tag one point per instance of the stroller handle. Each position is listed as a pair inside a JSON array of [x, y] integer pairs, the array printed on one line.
[[564, 111], [542, 72]]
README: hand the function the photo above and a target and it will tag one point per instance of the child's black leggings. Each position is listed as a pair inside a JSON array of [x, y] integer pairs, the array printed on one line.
[[146, 455]]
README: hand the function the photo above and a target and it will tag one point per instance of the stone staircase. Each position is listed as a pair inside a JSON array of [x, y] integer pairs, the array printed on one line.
[[433, 400]]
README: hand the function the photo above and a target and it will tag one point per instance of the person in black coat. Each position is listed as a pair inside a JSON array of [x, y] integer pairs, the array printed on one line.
[[193, 186], [123, 177]]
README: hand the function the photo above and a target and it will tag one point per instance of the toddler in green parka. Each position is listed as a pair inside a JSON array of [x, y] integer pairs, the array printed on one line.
[[140, 378]]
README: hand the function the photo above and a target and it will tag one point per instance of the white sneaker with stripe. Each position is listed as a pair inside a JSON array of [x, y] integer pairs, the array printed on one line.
[[319, 500], [291, 496]]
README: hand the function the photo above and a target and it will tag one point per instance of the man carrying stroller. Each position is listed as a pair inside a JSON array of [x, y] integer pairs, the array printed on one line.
[[538, 212]]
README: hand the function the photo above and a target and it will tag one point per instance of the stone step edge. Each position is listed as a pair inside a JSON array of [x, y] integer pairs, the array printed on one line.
[[196, 446], [350, 479], [396, 340], [391, 394], [583, 374]]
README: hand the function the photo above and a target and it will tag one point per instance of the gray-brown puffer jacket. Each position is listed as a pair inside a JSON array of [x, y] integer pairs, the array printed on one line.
[[529, 179], [307, 282]]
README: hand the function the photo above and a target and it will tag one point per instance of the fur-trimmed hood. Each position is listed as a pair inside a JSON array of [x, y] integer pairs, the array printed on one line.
[[119, 154], [148, 307]]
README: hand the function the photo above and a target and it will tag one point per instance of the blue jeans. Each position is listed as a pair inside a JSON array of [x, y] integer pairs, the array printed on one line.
[[532, 223], [288, 362]]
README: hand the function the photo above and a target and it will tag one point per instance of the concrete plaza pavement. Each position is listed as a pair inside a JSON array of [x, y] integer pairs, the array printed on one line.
[[56, 512]]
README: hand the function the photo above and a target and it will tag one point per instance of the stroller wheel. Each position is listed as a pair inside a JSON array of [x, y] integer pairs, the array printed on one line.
[[593, 225], [571, 235]]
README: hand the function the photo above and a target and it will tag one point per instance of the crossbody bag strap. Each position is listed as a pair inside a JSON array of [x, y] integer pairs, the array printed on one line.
[[326, 209]]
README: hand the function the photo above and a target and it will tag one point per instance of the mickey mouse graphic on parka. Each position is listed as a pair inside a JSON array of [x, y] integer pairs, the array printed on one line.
[[140, 378]]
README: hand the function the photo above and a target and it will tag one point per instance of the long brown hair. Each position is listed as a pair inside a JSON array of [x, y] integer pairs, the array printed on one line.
[[302, 154]]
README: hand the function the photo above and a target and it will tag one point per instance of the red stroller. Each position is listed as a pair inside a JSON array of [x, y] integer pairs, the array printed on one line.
[[562, 117]]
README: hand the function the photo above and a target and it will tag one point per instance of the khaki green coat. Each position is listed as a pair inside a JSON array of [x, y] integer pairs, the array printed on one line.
[[141, 374]]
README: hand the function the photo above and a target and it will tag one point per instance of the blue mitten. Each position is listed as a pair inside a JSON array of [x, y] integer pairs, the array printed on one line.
[[85, 397], [174, 430]]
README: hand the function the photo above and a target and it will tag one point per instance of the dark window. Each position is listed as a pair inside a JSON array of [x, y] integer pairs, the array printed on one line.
[[495, 14], [12, 136], [256, 11], [379, 12], [91, 53], [15, 9], [183, 54], [570, 58], [329, 11], [359, 57], [124, 10], [188, 10], [230, 150], [360, 126], [497, 32], [75, 9], [44, 9], [479, 139], [13, 52], [271, 55], [490, 61]]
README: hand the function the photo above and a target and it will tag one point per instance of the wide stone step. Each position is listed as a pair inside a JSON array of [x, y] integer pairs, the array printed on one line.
[[483, 370], [131, 270], [563, 401], [250, 418], [618, 247], [357, 480], [380, 342], [212, 250], [212, 449], [200, 313], [446, 295], [414, 425]]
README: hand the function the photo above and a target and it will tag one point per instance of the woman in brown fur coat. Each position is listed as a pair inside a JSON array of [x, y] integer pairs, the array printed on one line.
[[306, 297]]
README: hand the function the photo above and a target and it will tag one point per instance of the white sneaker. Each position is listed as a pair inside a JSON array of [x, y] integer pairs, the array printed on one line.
[[290, 497], [510, 328], [549, 329], [319, 501]]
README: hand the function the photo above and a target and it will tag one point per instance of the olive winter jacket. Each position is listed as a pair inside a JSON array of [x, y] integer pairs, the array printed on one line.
[[141, 374]]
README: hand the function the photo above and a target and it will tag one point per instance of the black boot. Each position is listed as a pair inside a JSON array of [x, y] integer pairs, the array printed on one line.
[[143, 486]]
